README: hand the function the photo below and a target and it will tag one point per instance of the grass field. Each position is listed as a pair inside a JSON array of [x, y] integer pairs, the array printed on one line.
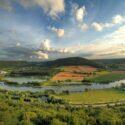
[[108, 78], [94, 96]]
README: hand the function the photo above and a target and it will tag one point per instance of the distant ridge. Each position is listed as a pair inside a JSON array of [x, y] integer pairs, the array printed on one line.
[[111, 61], [72, 61]]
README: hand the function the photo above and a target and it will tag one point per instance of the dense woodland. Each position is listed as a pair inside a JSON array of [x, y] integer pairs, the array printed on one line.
[[18, 109], [12, 113]]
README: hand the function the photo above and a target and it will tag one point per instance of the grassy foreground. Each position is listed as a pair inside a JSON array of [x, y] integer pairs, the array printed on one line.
[[94, 96]]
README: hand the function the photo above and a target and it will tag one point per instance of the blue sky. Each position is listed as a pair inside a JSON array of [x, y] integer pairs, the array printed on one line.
[[49, 29]]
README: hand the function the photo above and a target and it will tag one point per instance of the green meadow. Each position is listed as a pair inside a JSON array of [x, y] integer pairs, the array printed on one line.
[[106, 78], [94, 96]]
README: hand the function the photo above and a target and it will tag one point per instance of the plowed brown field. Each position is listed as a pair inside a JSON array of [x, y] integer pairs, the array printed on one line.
[[74, 73]]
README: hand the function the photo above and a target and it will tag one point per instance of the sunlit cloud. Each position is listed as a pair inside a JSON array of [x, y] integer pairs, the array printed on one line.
[[60, 32], [45, 45], [51, 7], [79, 14], [107, 46], [41, 55], [46, 49], [118, 19], [101, 26]]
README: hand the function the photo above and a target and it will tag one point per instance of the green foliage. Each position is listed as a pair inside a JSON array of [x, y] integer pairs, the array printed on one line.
[[39, 113], [57, 122]]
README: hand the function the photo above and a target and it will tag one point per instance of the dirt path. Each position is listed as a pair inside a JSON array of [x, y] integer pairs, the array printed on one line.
[[111, 104]]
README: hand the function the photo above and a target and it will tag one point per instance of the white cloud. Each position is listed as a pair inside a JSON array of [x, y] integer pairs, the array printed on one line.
[[59, 32], [80, 14], [118, 19], [18, 44], [100, 26], [97, 26], [46, 49], [83, 26], [41, 55], [111, 45], [45, 46], [52, 7], [65, 50]]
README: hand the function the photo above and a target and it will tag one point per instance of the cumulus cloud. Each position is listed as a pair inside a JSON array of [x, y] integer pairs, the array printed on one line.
[[18, 44], [100, 26], [60, 32], [118, 19], [45, 45], [97, 26], [41, 55], [111, 45], [46, 49], [80, 14], [52, 7]]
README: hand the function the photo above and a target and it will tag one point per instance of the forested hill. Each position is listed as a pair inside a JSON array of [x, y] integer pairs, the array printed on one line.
[[72, 61]]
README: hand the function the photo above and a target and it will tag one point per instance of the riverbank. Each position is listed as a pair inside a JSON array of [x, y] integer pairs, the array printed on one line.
[[71, 88]]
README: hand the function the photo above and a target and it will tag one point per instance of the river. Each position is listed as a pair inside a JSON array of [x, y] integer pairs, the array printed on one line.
[[71, 88], [22, 80]]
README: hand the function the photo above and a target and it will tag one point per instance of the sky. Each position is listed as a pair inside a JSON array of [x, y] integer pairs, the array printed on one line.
[[50, 29]]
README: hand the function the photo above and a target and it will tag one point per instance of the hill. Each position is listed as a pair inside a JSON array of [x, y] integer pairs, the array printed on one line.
[[72, 61], [111, 61], [115, 64]]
